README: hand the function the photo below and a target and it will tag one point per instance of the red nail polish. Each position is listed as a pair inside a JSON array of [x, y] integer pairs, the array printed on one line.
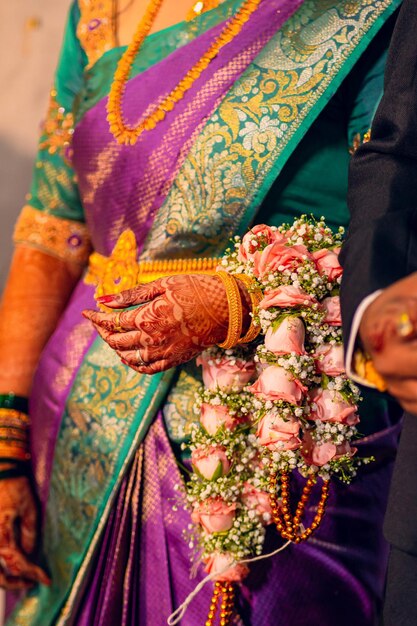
[[104, 299], [124, 362]]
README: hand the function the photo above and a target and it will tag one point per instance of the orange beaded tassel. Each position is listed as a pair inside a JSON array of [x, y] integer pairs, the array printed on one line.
[[224, 592], [287, 525]]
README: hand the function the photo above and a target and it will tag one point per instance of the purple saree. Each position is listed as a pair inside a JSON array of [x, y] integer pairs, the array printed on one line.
[[127, 564]]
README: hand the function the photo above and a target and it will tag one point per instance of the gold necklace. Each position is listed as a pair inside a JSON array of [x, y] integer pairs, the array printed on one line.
[[121, 131]]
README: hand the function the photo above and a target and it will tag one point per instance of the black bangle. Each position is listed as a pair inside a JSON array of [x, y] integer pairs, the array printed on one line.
[[18, 469], [13, 472], [12, 401], [14, 462]]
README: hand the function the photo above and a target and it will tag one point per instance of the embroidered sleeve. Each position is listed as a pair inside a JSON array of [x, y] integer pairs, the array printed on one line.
[[96, 28], [66, 239], [53, 218]]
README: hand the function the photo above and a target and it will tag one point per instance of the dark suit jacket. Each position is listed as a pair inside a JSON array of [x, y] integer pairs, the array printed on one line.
[[381, 245]]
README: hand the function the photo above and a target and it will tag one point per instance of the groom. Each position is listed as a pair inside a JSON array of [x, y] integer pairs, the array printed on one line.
[[379, 292]]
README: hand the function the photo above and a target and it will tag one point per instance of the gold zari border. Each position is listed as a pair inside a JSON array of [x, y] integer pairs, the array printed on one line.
[[96, 29], [66, 239], [121, 270]]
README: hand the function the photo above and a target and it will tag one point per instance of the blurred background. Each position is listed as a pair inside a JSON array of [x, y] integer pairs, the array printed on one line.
[[31, 32]]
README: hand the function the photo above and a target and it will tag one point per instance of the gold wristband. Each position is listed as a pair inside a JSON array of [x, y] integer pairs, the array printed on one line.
[[235, 310], [256, 296]]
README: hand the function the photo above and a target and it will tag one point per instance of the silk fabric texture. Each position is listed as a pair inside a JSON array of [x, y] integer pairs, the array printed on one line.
[[112, 540]]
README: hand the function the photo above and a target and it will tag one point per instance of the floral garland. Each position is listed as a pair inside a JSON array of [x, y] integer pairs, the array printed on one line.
[[280, 405]]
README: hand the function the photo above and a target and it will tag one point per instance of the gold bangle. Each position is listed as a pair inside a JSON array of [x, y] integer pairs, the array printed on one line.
[[235, 310], [256, 296], [11, 452], [13, 433], [15, 416]]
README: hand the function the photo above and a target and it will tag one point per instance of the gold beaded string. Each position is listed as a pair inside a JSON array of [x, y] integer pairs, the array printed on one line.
[[226, 592], [122, 132], [289, 526]]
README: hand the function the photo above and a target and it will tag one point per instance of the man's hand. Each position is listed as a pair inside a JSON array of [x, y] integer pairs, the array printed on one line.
[[389, 334]]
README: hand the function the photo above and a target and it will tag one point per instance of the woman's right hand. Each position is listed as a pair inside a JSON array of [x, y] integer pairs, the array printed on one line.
[[18, 535]]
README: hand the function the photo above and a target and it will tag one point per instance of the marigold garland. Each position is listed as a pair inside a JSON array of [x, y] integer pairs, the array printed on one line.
[[119, 128]]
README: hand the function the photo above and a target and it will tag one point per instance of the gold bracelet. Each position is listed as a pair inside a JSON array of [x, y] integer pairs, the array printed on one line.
[[235, 310], [14, 439], [12, 452], [14, 416], [256, 296]]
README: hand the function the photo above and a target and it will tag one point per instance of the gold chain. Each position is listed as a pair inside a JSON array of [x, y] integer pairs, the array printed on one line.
[[125, 134]]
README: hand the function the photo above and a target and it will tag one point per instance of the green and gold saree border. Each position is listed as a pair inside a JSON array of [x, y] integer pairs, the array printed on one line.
[[225, 177], [246, 142], [107, 416]]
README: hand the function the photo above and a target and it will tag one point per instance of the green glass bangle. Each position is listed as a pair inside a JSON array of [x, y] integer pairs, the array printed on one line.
[[12, 401]]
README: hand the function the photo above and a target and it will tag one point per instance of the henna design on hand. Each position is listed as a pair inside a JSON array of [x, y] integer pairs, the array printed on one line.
[[18, 534], [179, 317]]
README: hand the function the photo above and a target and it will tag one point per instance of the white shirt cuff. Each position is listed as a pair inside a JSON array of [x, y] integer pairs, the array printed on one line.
[[350, 348]]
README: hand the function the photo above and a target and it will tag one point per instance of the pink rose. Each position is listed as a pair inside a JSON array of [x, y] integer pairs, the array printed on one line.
[[320, 454], [275, 383], [286, 296], [211, 462], [256, 239], [214, 417], [278, 256], [331, 307], [227, 374], [258, 501], [219, 562], [331, 407], [327, 262], [278, 434], [288, 337], [214, 514], [329, 359]]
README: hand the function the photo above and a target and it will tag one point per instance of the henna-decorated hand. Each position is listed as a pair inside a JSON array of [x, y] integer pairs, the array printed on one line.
[[18, 535], [180, 316]]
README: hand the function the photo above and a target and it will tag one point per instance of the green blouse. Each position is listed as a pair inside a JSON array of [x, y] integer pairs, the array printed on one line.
[[314, 180]]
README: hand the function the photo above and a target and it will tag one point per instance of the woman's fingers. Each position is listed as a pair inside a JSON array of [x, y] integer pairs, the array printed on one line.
[[113, 322], [130, 297], [17, 565], [153, 368], [6, 529], [142, 356], [14, 583]]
